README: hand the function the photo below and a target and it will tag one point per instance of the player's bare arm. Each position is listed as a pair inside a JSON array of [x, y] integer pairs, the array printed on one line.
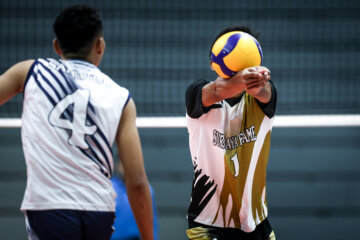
[[137, 185], [12, 81], [223, 88], [253, 80], [258, 85]]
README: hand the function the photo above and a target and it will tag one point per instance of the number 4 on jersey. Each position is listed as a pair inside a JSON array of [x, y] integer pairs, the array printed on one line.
[[75, 121]]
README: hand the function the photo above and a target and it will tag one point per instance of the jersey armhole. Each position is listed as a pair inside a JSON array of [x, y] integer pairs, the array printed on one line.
[[193, 100], [270, 107], [29, 75], [127, 101]]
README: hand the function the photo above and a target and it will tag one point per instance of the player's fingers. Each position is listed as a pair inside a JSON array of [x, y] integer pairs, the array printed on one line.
[[255, 85], [256, 82], [268, 77], [252, 75], [265, 76], [251, 69], [263, 69]]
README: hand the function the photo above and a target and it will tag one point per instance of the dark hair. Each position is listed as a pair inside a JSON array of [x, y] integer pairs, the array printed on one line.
[[76, 28], [241, 28]]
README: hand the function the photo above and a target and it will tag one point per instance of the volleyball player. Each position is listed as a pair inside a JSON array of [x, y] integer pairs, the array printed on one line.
[[125, 224], [229, 123], [72, 113]]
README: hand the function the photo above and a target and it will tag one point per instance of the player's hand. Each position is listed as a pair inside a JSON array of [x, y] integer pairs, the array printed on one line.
[[239, 82], [251, 80], [256, 79]]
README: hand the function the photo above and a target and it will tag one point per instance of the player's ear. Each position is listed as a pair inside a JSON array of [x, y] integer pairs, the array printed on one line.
[[98, 50], [211, 66], [56, 47], [100, 45]]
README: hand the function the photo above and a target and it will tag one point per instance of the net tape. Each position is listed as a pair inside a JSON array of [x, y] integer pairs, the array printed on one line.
[[281, 121]]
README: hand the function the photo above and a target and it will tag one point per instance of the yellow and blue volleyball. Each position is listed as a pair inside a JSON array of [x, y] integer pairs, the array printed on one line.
[[233, 52]]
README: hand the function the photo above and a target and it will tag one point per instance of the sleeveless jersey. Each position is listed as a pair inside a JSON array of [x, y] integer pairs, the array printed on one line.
[[71, 111], [229, 145]]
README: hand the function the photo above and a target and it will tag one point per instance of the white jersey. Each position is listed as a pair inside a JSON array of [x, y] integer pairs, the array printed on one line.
[[229, 145], [71, 112]]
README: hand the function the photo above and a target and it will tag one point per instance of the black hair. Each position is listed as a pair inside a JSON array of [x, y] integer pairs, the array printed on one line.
[[76, 28], [241, 28]]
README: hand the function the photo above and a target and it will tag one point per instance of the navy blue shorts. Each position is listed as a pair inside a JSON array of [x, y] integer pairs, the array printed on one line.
[[69, 225]]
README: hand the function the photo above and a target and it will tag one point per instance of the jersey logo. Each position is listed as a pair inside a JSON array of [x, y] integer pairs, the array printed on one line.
[[228, 143], [70, 114]]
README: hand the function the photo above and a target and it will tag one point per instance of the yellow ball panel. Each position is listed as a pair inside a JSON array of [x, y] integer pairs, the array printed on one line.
[[221, 41], [247, 45], [245, 54], [218, 70], [235, 60], [254, 60]]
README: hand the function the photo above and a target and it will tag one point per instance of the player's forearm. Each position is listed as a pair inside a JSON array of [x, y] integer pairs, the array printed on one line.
[[209, 94], [9, 87], [264, 94], [140, 200], [220, 89]]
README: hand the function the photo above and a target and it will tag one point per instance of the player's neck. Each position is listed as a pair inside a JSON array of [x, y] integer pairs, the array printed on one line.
[[77, 57]]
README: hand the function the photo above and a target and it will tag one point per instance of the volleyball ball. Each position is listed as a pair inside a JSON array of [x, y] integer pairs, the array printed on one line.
[[233, 52]]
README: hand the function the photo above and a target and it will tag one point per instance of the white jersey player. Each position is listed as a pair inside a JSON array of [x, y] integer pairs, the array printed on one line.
[[72, 114], [70, 110]]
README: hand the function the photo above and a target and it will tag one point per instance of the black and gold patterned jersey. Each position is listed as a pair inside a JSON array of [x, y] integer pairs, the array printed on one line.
[[229, 145]]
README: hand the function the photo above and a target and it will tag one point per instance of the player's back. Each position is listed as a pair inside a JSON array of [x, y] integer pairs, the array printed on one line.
[[71, 112]]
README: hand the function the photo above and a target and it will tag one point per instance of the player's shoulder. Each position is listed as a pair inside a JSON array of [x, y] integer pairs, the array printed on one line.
[[23, 66], [18, 73], [48, 64]]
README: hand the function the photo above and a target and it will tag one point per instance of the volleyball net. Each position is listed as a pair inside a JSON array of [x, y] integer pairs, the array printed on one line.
[[279, 121], [156, 48]]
